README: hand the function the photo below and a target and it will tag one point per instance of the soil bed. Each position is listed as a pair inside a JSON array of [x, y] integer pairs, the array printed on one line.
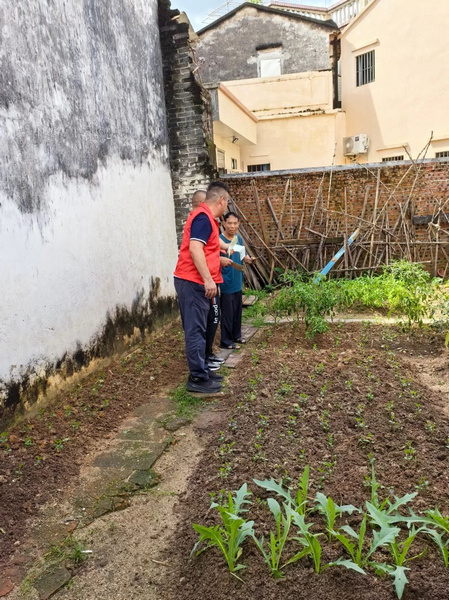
[[333, 403], [326, 403], [41, 456]]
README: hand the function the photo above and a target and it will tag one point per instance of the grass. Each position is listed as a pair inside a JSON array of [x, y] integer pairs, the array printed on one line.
[[186, 405]]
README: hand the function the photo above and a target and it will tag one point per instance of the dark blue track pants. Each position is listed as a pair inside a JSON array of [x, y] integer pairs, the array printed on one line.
[[231, 318], [194, 307]]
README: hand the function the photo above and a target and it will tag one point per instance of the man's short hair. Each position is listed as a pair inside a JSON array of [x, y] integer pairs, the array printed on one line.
[[196, 201], [231, 213], [215, 190]]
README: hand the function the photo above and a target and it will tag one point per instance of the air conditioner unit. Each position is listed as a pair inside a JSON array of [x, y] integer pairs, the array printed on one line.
[[356, 144]]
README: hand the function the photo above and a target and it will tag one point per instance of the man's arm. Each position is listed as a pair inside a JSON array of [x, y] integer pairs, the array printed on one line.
[[199, 260], [224, 246]]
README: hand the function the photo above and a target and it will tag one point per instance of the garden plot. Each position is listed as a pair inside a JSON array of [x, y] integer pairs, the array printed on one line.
[[350, 409]]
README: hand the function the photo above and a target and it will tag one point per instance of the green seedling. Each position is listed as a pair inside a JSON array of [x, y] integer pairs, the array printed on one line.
[[430, 426], [285, 389], [59, 444], [283, 519], [409, 451], [331, 511], [355, 550], [364, 440], [299, 501], [400, 578], [394, 424], [226, 449], [225, 470], [422, 484], [303, 399], [229, 536], [324, 420], [312, 548]]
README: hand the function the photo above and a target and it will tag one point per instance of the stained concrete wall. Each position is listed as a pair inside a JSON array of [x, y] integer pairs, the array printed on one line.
[[229, 49], [87, 228]]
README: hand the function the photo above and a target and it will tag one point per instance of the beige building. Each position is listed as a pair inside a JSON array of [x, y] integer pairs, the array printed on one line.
[[340, 12], [383, 100], [275, 123], [272, 79], [395, 78]]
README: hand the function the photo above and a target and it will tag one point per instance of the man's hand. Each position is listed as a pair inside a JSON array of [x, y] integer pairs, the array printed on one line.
[[224, 247], [210, 288], [249, 259], [225, 261]]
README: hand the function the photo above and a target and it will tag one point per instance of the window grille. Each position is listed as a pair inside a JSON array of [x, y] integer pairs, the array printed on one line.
[[365, 66], [443, 154], [392, 158], [254, 168]]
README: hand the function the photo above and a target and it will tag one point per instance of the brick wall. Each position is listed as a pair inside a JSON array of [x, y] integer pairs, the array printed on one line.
[[189, 115], [338, 200]]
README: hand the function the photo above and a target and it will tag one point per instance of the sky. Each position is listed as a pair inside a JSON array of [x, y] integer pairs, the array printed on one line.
[[198, 10]]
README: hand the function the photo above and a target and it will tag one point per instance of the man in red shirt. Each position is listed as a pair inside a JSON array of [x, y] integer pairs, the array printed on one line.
[[197, 274]]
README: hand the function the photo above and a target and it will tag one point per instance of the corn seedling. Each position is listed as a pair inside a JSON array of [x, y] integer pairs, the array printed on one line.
[[299, 501], [331, 511], [283, 519], [229, 536]]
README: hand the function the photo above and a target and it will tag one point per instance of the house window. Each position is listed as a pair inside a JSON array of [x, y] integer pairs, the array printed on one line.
[[221, 165], [365, 66], [392, 158], [234, 164], [269, 62], [443, 154], [254, 168]]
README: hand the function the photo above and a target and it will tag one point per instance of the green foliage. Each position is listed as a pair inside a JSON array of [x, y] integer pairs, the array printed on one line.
[[383, 527], [229, 537], [283, 519], [331, 510], [186, 404], [403, 288], [299, 501], [314, 300]]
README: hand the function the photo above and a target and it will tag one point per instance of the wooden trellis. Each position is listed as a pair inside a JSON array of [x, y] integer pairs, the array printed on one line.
[[307, 239]]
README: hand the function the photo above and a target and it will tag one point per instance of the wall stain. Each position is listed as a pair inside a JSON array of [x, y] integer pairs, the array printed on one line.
[[85, 84], [146, 313]]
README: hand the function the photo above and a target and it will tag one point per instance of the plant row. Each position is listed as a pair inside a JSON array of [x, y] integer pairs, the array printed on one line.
[[383, 542], [403, 288]]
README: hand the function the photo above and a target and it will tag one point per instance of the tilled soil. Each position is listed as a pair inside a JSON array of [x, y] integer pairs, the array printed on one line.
[[41, 456], [335, 403]]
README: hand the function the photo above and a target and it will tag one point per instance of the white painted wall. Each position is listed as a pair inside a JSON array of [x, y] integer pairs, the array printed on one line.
[[95, 247], [86, 205]]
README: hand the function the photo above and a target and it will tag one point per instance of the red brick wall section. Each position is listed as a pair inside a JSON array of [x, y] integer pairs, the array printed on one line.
[[338, 200]]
